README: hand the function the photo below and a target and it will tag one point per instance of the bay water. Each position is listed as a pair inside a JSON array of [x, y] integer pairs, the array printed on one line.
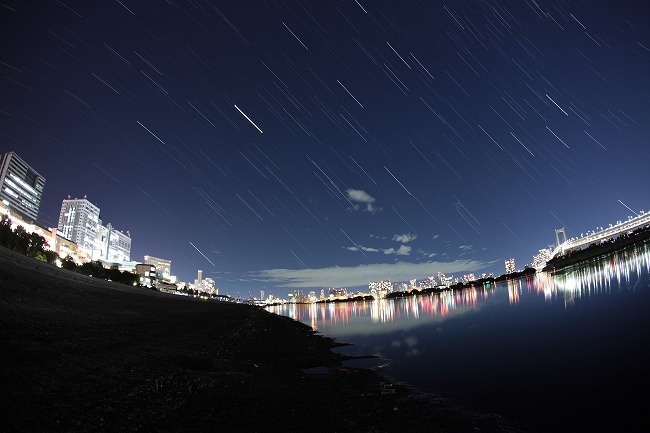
[[562, 352]]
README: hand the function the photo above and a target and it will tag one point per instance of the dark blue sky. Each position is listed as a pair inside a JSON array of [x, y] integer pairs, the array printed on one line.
[[280, 145]]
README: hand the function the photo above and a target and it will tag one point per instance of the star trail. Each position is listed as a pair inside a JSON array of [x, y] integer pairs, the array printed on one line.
[[298, 144]]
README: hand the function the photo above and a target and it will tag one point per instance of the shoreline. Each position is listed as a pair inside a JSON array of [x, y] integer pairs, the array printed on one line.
[[84, 354]]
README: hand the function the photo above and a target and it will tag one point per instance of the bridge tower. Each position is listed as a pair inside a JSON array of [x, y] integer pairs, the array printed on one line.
[[557, 236]]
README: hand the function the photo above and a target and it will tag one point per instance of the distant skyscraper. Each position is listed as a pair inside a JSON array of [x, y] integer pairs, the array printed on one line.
[[204, 284], [79, 222], [163, 267], [510, 266], [539, 260], [379, 289], [21, 188]]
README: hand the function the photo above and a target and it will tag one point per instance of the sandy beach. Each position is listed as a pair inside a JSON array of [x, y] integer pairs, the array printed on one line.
[[80, 354]]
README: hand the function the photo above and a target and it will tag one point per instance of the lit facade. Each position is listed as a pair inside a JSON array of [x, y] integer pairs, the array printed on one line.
[[379, 289], [147, 274], [205, 285], [510, 266], [341, 293], [296, 297], [53, 240], [429, 283], [540, 259], [79, 222], [115, 245], [468, 278], [445, 280], [21, 187], [163, 267]]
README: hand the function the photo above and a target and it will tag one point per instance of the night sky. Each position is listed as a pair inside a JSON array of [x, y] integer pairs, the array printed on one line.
[[315, 144]]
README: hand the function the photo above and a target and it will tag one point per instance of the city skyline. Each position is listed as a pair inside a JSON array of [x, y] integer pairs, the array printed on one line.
[[301, 146]]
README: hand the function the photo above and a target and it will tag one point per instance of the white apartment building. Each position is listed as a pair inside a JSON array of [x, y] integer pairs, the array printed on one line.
[[379, 289], [79, 222], [540, 259], [115, 245], [510, 266]]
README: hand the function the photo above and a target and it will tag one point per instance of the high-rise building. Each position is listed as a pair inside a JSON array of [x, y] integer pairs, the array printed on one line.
[[116, 246], [510, 266], [79, 222], [163, 267], [379, 289], [540, 259], [204, 284], [21, 187], [296, 296]]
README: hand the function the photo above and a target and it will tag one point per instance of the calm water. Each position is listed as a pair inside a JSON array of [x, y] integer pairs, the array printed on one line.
[[567, 352]]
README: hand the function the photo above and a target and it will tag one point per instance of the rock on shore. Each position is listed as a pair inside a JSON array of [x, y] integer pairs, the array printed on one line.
[[80, 354]]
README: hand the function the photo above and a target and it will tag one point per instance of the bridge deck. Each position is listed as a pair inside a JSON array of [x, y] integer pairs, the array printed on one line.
[[609, 233]]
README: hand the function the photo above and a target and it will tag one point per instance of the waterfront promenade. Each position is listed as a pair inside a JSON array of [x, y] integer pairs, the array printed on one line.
[[82, 354]]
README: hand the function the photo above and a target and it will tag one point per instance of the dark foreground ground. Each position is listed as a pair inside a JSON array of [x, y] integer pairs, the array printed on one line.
[[79, 354]]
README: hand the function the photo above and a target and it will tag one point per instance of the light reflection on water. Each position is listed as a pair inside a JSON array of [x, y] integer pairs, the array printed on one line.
[[576, 339], [337, 316], [598, 278]]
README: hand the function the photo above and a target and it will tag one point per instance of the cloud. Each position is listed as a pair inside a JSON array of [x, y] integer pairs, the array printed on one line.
[[362, 248], [360, 275], [405, 238], [360, 196], [403, 250], [427, 253]]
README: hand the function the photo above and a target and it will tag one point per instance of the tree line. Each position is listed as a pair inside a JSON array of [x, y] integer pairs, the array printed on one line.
[[29, 244], [34, 245]]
